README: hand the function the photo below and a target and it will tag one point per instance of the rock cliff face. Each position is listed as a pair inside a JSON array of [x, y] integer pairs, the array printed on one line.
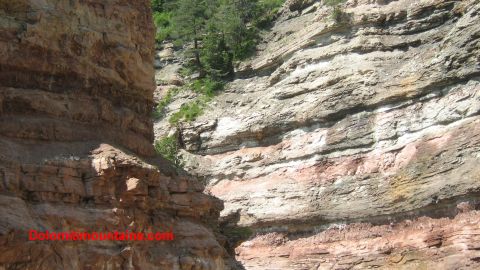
[[352, 139], [76, 154]]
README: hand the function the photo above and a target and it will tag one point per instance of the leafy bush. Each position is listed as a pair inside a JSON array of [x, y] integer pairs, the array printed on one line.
[[168, 148], [162, 21], [163, 34], [206, 88], [245, 47]]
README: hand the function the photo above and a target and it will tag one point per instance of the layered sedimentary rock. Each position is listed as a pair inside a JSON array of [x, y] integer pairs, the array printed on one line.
[[348, 127], [421, 244], [76, 154]]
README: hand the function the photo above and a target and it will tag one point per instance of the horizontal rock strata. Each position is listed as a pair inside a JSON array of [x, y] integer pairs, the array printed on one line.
[[368, 117], [424, 243], [76, 154]]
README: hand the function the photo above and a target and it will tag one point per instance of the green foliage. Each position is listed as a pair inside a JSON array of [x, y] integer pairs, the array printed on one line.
[[189, 19], [162, 18], [220, 31], [186, 71], [266, 12], [216, 56], [163, 5], [188, 112], [189, 22], [333, 3], [241, 21], [337, 14], [157, 5], [237, 233], [164, 102], [230, 25], [271, 4], [168, 148], [162, 21], [207, 88]]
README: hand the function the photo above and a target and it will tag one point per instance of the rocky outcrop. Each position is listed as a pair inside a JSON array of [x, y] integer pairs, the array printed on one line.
[[363, 118], [76, 154], [424, 243]]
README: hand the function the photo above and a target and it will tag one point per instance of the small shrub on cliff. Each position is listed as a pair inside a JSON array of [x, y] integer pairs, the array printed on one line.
[[337, 12], [168, 148], [186, 71], [206, 88], [333, 3], [236, 235], [188, 112], [164, 102]]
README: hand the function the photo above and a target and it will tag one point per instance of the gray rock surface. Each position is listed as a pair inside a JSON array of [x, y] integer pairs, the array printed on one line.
[[371, 119]]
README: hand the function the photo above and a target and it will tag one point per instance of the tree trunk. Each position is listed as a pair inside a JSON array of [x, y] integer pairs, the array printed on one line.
[[197, 54]]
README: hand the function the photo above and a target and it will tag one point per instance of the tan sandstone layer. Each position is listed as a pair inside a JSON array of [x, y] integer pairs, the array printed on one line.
[[76, 154], [372, 118]]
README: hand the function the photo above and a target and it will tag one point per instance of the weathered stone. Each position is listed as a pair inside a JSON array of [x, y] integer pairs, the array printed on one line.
[[76, 153], [370, 118]]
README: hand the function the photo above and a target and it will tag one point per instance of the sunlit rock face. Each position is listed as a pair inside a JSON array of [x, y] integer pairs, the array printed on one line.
[[340, 134], [76, 154]]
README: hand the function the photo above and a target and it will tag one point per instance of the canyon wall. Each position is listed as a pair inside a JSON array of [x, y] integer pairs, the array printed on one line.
[[351, 140], [76, 154]]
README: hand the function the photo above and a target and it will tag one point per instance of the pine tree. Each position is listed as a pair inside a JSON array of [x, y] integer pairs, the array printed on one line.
[[231, 18], [216, 55], [189, 21], [218, 30]]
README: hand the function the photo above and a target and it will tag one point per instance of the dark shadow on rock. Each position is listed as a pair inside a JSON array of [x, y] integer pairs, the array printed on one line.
[[235, 235]]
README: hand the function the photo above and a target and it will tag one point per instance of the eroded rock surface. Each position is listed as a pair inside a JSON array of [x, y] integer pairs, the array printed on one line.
[[424, 243], [76, 154], [372, 118]]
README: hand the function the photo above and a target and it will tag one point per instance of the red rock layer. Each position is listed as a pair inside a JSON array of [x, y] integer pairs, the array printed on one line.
[[422, 243], [85, 64], [76, 83]]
